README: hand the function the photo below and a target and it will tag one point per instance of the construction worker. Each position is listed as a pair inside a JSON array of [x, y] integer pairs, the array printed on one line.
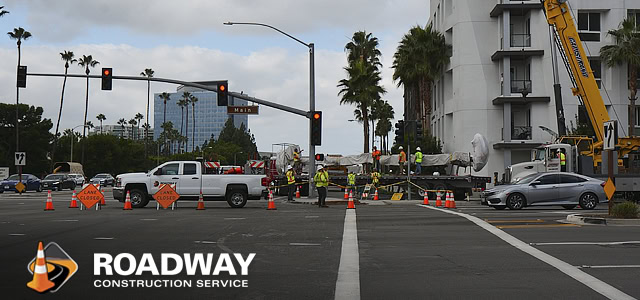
[[321, 179], [375, 178], [563, 160], [351, 181], [418, 161], [291, 183], [402, 160], [296, 161], [376, 158]]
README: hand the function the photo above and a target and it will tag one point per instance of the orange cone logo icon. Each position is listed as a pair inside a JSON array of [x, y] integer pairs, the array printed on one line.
[[50, 273]]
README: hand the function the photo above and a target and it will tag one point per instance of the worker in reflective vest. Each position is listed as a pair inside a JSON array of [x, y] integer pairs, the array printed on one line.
[[321, 180], [402, 160], [418, 161], [375, 178], [376, 158], [351, 181], [297, 165], [563, 160], [291, 183]]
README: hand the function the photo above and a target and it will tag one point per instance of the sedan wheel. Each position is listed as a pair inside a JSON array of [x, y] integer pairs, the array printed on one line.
[[515, 201], [588, 201], [39, 188]]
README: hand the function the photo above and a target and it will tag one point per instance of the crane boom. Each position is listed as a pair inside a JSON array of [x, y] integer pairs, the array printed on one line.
[[585, 86]]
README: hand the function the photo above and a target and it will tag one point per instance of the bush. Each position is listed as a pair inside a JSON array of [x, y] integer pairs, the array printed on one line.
[[626, 210]]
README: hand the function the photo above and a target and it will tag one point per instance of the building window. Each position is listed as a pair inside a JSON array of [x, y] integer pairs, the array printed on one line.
[[634, 14], [589, 26], [637, 116], [596, 67]]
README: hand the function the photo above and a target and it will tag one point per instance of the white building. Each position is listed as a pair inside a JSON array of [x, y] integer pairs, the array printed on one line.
[[501, 48], [119, 131]]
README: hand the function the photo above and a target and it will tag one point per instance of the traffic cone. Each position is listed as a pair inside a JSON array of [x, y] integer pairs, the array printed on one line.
[[350, 204], [375, 195], [426, 198], [364, 195], [200, 202], [40, 282], [346, 194], [271, 205], [438, 200], [452, 203], [127, 202], [74, 200], [49, 204], [102, 201], [298, 192]]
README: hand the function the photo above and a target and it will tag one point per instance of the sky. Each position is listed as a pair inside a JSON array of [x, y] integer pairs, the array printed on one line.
[[186, 40]]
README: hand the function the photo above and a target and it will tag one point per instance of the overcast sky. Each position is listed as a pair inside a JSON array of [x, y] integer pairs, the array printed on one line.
[[186, 40]]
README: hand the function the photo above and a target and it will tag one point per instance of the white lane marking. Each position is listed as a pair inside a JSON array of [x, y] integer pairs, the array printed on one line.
[[103, 238], [16, 234], [348, 283], [606, 267], [311, 217], [587, 243], [303, 244], [205, 242], [65, 220], [148, 219], [594, 283], [234, 218]]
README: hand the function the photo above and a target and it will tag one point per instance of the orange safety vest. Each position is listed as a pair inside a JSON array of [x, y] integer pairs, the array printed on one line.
[[376, 155]]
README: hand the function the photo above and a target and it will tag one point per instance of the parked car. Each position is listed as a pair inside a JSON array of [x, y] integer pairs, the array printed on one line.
[[79, 178], [31, 182], [555, 188], [58, 182], [103, 179]]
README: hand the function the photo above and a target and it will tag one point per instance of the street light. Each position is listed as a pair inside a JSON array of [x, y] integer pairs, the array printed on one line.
[[312, 92], [73, 138]]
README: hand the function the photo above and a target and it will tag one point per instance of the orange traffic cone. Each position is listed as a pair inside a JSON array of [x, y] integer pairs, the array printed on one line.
[[298, 192], [447, 202], [346, 193], [74, 200], [49, 204], [452, 203], [271, 205], [127, 202], [426, 198], [375, 195], [40, 282], [438, 200], [350, 204], [102, 201], [200, 202]]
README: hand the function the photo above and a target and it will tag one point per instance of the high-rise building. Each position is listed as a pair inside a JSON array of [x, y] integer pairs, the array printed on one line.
[[499, 81], [209, 117]]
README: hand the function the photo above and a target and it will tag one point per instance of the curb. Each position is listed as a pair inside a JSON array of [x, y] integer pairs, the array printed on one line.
[[580, 219]]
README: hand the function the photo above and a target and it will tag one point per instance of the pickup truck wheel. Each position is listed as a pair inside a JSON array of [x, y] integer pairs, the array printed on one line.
[[138, 198], [237, 198]]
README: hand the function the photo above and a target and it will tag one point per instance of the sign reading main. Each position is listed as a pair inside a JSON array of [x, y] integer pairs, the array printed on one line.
[[242, 110]]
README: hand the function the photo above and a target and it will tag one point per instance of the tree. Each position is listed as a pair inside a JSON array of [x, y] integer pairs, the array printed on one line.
[[101, 118], [181, 103], [419, 59], [149, 74], [186, 96], [68, 58], [231, 141], [35, 128], [626, 50], [18, 34], [193, 100], [122, 122], [139, 118], [384, 113], [89, 124], [133, 123], [362, 85], [86, 62], [2, 11]]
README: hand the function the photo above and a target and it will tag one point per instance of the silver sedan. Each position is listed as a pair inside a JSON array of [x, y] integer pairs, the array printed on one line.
[[556, 188]]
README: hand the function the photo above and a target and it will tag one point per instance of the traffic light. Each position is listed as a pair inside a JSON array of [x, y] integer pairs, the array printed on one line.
[[400, 132], [419, 131], [223, 97], [22, 77], [107, 76], [319, 157], [316, 128]]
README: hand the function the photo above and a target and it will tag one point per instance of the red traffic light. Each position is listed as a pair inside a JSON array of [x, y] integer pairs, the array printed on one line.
[[316, 116], [222, 88], [106, 72]]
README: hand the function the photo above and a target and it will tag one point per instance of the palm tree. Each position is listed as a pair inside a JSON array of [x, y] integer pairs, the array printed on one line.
[[148, 73], [132, 122], [139, 118], [362, 85], [101, 118], [2, 11], [86, 62], [193, 100], [90, 124], [165, 97], [122, 122], [167, 133], [181, 103], [68, 58], [626, 50], [18, 34], [186, 96], [419, 59]]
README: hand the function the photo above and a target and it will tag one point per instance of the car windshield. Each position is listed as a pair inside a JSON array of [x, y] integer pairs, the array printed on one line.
[[16, 177], [101, 176], [53, 177], [526, 179]]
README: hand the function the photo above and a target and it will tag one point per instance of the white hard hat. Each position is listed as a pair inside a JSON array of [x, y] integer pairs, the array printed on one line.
[[400, 148], [289, 167], [320, 167], [418, 148]]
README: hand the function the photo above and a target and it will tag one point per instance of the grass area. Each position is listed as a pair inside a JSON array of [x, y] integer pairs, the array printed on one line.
[[626, 210]]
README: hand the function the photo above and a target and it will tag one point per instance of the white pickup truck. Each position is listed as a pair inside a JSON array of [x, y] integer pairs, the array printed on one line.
[[188, 177]]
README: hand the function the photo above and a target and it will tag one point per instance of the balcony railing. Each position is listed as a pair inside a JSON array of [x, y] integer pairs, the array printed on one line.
[[520, 40], [521, 133], [519, 86]]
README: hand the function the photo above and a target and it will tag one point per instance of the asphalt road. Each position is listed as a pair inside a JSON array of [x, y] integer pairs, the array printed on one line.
[[405, 251]]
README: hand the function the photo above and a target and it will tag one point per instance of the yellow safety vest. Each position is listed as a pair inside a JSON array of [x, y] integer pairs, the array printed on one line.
[[296, 156], [321, 179], [351, 179], [375, 176], [418, 157], [563, 159], [291, 179]]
